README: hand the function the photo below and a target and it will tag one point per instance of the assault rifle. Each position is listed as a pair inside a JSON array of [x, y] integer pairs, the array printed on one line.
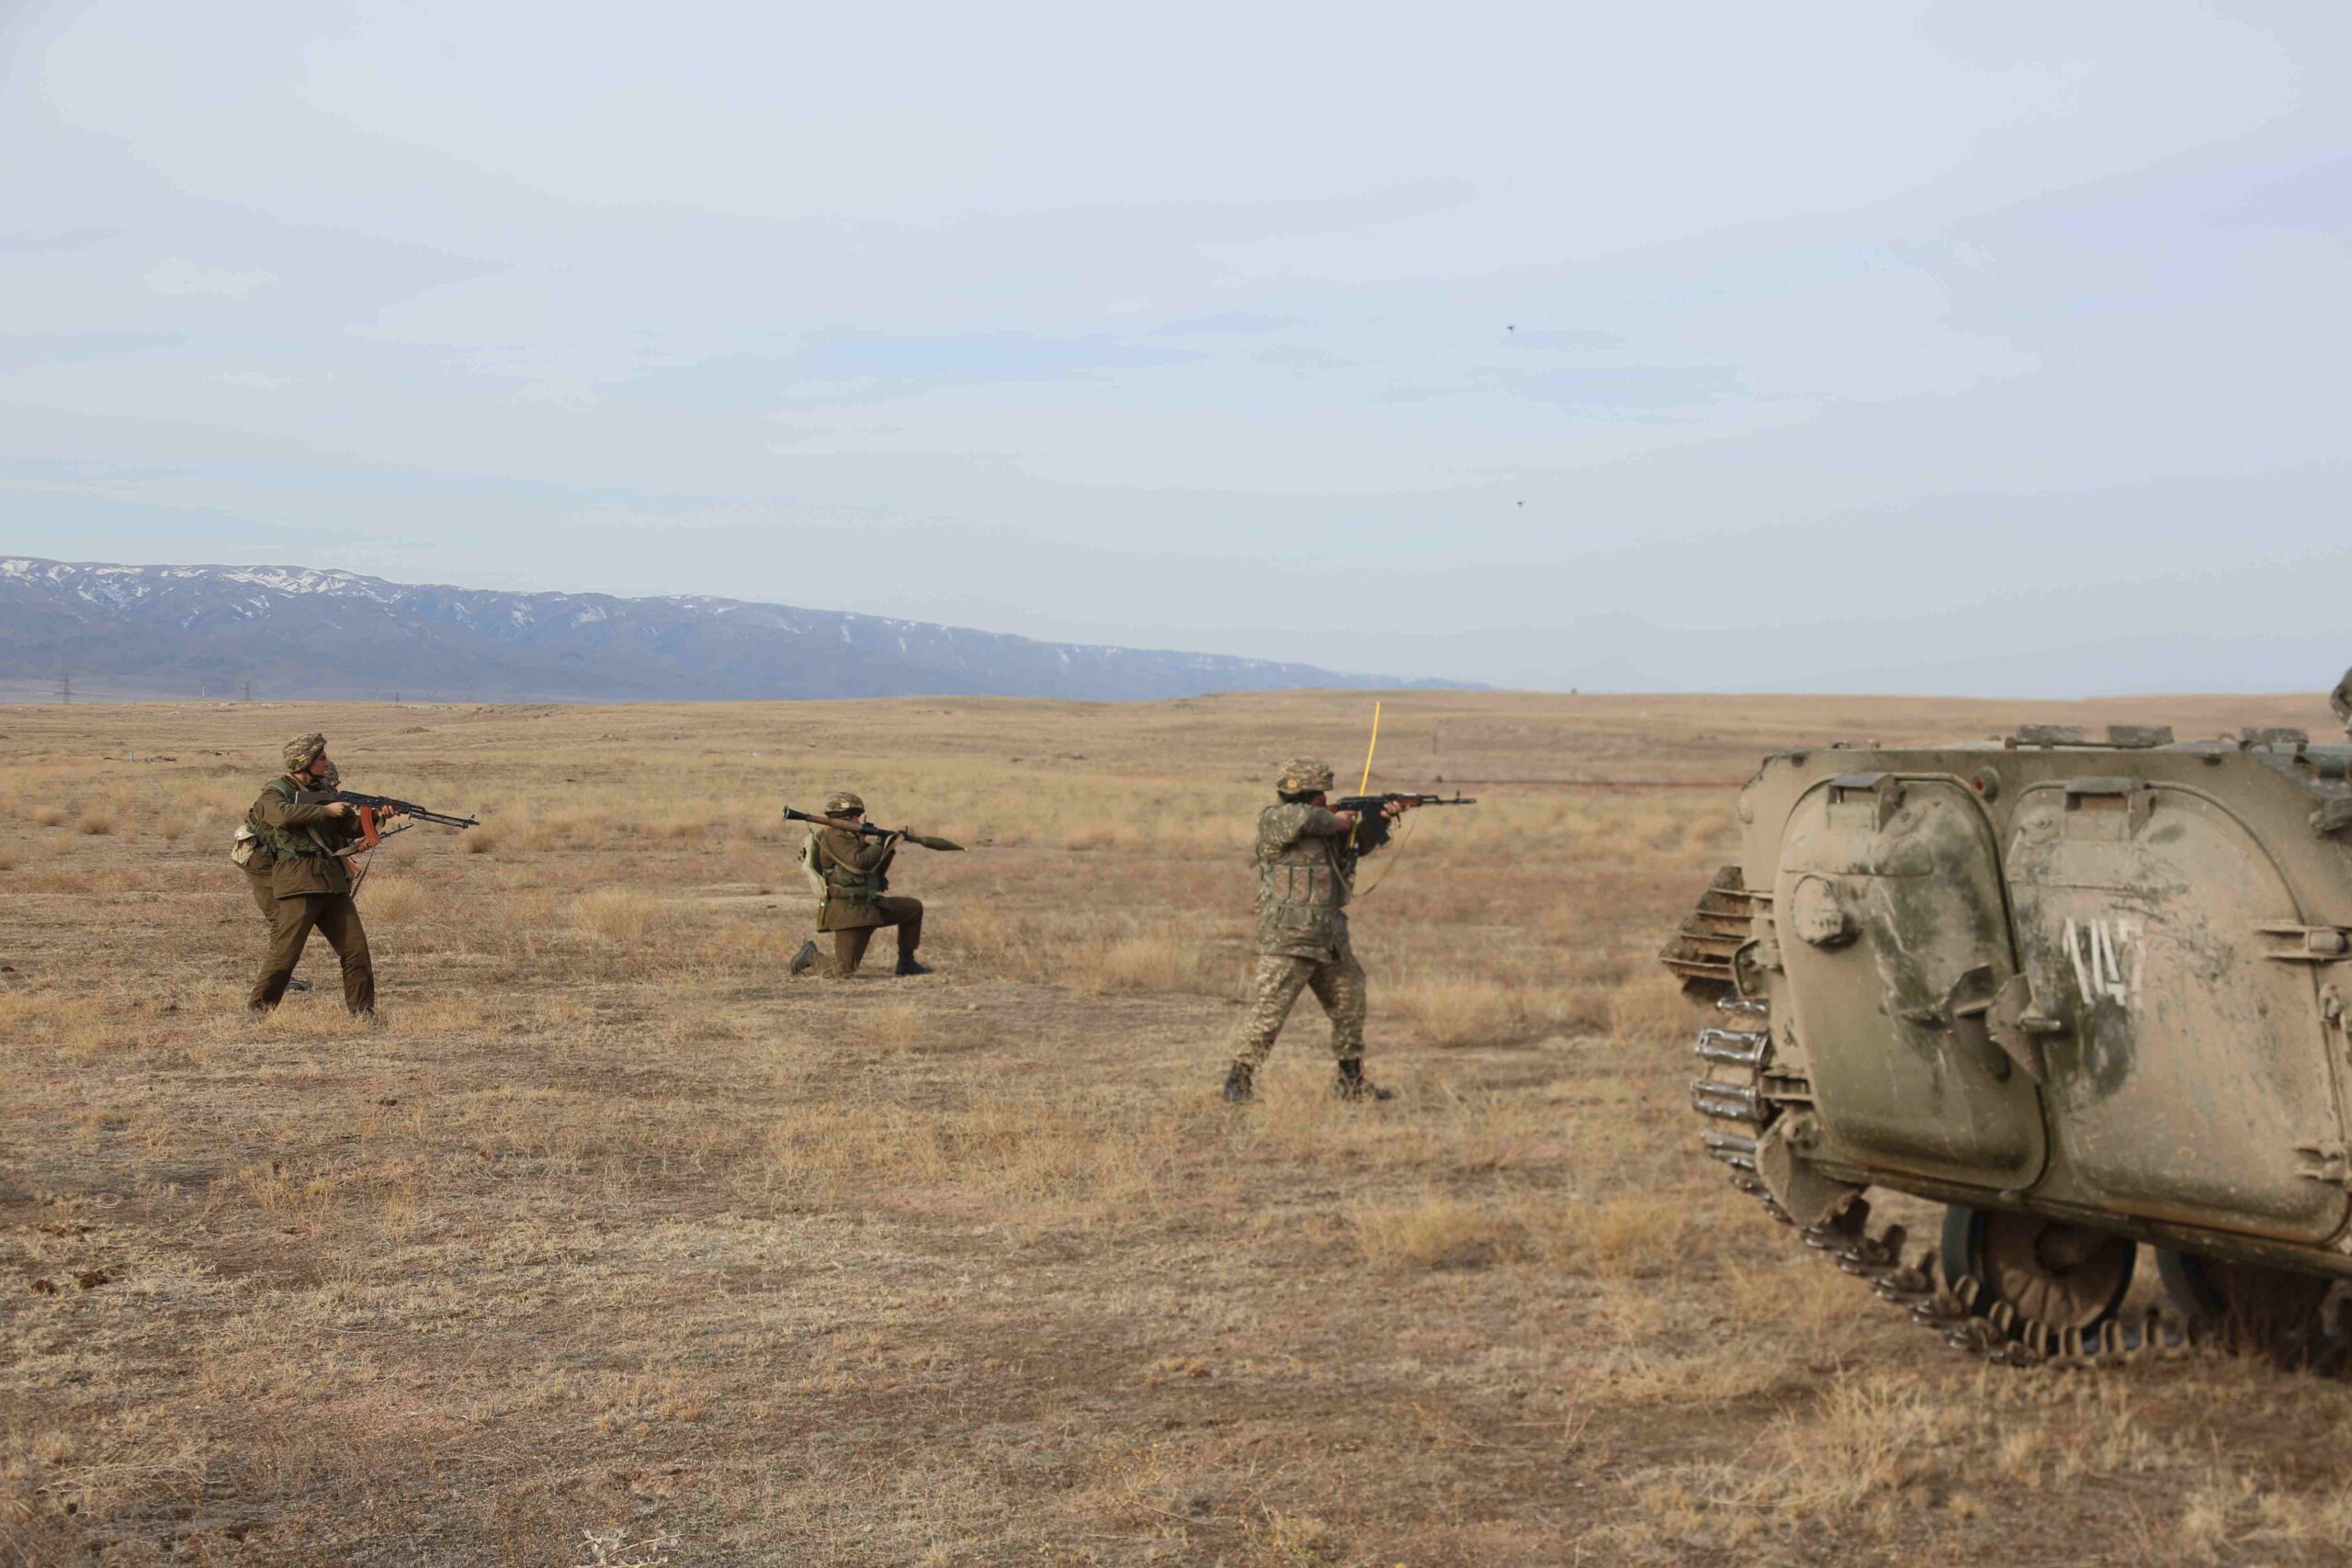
[[868, 830], [374, 808], [1371, 802]]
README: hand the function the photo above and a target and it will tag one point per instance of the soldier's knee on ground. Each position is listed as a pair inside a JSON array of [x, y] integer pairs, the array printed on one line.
[[849, 950]]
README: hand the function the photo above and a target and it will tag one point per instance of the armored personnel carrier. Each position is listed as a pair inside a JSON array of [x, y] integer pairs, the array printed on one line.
[[2085, 993]]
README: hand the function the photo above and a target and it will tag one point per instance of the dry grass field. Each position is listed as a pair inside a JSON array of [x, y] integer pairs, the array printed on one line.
[[617, 1246]]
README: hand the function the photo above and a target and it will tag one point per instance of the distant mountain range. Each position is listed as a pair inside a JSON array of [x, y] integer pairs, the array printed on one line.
[[165, 631]]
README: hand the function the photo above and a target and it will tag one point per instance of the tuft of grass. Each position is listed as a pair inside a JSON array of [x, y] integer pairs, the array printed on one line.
[[1633, 1235], [1649, 1009], [1436, 1232], [616, 914], [397, 899], [1133, 964], [1458, 1010], [48, 816], [894, 1027]]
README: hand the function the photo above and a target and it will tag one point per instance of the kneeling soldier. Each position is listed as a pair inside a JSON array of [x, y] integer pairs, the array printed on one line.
[[855, 868], [309, 881], [1307, 859]]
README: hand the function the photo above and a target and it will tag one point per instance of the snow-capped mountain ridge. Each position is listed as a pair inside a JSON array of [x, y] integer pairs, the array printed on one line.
[[302, 631]]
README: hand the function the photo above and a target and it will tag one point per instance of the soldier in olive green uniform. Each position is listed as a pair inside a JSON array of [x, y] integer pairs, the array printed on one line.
[[309, 883], [263, 885], [1307, 857], [856, 870]]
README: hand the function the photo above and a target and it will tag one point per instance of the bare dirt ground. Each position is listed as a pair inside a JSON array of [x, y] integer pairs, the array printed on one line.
[[618, 1246]]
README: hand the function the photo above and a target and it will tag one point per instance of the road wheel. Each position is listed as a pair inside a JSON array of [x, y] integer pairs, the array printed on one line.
[[2048, 1271], [2259, 1308]]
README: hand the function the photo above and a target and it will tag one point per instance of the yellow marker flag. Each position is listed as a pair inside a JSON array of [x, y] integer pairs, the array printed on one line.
[[1366, 787]]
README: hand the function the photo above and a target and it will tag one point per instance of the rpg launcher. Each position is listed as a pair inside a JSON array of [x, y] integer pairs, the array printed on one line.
[[373, 808], [868, 830], [1370, 803]]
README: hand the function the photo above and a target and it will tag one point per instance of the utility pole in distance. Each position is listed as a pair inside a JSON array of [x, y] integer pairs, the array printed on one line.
[[65, 690], [249, 691]]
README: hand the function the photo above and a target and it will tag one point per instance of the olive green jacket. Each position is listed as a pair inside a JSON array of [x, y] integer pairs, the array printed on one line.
[[298, 841], [857, 870]]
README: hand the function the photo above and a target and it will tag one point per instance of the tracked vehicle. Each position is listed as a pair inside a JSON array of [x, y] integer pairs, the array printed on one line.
[[2085, 993]]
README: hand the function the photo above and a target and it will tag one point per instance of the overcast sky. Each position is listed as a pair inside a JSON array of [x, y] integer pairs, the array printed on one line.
[[1975, 346]]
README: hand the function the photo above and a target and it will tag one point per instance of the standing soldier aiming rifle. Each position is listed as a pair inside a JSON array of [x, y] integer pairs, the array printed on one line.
[[296, 849], [258, 866], [1309, 847], [307, 845], [849, 859]]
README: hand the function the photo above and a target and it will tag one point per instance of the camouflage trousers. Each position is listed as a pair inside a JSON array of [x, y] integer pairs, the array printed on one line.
[[1338, 986]]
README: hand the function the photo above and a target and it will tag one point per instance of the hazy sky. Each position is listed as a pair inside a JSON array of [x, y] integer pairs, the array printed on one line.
[[1894, 347]]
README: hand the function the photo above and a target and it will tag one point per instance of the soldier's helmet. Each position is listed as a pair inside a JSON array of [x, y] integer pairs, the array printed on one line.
[[301, 749], [1304, 775], [843, 802], [2341, 698]]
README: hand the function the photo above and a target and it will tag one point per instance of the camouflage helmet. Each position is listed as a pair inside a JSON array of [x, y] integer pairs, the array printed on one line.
[[2341, 698], [1304, 775], [301, 749], [844, 802]]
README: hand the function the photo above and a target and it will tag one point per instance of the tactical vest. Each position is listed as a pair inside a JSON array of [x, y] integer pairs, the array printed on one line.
[[841, 884], [1304, 881], [1304, 873], [285, 843]]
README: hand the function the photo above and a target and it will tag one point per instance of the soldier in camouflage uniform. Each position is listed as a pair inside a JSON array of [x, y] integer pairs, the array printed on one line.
[[1307, 857], [856, 870], [310, 882]]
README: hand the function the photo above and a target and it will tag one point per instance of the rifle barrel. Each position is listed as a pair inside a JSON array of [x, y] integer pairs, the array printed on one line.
[[386, 803]]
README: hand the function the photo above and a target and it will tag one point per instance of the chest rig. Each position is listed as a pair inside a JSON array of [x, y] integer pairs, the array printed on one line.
[[1301, 872], [285, 844]]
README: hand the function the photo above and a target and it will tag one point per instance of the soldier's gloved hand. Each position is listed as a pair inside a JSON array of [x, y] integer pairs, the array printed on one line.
[[1392, 809], [1347, 819]]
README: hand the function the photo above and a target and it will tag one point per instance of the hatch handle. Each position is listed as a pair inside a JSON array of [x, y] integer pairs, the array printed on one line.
[[2018, 1026], [2306, 944], [2133, 794], [1967, 1014]]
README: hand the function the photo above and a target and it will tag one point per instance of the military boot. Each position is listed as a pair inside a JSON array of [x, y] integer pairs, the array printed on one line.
[[1353, 1085], [1238, 1087], [908, 965], [804, 960]]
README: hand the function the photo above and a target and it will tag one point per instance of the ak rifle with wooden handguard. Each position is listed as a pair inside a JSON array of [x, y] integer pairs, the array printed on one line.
[[868, 830], [374, 808], [1371, 802]]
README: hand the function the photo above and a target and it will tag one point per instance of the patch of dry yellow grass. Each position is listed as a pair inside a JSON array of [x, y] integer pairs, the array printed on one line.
[[1434, 1232], [618, 914], [1457, 1010], [610, 1228]]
